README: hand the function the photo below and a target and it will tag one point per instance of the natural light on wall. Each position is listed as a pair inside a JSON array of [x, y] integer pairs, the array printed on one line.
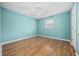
[[49, 24]]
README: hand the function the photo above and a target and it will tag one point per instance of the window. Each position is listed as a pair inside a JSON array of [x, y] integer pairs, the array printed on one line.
[[49, 24]]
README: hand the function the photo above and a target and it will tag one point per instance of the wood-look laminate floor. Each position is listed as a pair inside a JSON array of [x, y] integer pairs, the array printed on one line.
[[38, 46]]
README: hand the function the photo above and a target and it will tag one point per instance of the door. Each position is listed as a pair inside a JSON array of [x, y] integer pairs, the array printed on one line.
[[73, 26]]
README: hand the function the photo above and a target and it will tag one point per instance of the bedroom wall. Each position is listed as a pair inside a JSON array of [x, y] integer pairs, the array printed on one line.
[[78, 28], [61, 29], [15, 25], [0, 24], [0, 34]]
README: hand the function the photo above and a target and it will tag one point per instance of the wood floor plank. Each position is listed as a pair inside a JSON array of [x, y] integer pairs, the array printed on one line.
[[38, 46]]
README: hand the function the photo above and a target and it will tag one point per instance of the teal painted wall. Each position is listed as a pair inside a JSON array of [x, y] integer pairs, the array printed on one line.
[[0, 24], [62, 28], [78, 27], [15, 25]]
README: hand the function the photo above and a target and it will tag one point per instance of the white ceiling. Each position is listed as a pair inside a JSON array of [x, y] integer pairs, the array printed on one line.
[[38, 9]]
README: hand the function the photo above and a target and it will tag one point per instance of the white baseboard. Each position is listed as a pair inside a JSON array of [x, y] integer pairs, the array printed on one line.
[[34, 36], [0, 50], [73, 45], [31, 37], [17, 40], [54, 38]]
